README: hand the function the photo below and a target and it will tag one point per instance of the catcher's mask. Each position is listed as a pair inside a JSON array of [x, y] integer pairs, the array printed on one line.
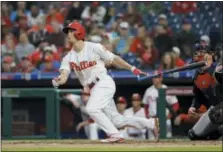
[[200, 51]]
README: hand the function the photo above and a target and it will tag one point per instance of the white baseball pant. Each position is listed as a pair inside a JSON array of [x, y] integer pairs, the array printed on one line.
[[92, 131], [102, 109]]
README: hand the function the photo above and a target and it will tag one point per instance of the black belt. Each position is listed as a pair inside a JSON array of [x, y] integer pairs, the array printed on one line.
[[91, 85]]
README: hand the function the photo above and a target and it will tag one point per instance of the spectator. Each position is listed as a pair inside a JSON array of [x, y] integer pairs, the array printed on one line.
[[57, 37], [20, 12], [8, 64], [54, 15], [187, 53], [26, 66], [5, 12], [98, 29], [44, 49], [38, 33], [49, 65], [184, 7], [219, 52], [21, 26], [137, 111], [168, 61], [106, 43], [24, 47], [114, 26], [162, 20], [215, 35], [94, 12], [110, 13], [137, 43], [113, 32], [155, 7], [132, 16], [150, 103], [35, 16], [5, 20], [88, 24], [176, 54], [204, 40], [122, 43], [8, 47], [163, 41], [149, 53], [75, 11], [186, 37], [5, 28], [121, 104]]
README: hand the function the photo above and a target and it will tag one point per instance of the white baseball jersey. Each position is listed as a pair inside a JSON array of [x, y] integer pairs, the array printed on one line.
[[150, 98], [89, 63], [140, 113]]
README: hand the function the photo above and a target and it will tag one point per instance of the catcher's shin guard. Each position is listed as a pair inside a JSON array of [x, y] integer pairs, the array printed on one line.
[[216, 114], [202, 128]]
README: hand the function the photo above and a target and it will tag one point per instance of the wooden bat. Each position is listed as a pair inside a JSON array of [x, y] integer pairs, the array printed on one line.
[[187, 67]]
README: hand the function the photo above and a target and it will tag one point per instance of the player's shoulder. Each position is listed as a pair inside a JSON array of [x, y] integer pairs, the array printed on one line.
[[68, 55], [164, 86], [93, 46], [150, 89], [142, 109], [128, 110]]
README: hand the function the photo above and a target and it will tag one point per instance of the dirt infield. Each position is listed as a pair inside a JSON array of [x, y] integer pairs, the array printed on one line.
[[54, 145]]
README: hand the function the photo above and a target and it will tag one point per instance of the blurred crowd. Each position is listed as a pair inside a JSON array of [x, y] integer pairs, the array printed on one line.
[[32, 37]]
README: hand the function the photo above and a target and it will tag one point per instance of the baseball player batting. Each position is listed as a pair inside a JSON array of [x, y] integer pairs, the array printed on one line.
[[88, 61]]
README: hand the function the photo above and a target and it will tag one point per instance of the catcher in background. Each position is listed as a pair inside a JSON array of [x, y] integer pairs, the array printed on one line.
[[208, 91]]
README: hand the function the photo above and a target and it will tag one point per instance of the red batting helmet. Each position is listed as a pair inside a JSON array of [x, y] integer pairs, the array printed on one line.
[[79, 30]]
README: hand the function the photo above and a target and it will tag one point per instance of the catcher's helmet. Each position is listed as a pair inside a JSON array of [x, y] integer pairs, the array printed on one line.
[[79, 30], [200, 51]]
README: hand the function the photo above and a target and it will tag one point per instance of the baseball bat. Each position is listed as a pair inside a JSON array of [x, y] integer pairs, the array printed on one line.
[[187, 67]]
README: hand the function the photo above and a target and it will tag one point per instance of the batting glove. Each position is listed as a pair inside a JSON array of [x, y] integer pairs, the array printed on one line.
[[55, 83], [137, 71]]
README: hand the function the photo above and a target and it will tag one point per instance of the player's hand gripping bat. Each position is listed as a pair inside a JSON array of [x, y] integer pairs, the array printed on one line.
[[187, 67]]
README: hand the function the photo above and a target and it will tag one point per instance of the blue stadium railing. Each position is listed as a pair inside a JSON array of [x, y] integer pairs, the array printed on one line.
[[112, 73]]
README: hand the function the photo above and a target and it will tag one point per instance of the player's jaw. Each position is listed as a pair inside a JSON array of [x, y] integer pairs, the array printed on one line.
[[71, 38]]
